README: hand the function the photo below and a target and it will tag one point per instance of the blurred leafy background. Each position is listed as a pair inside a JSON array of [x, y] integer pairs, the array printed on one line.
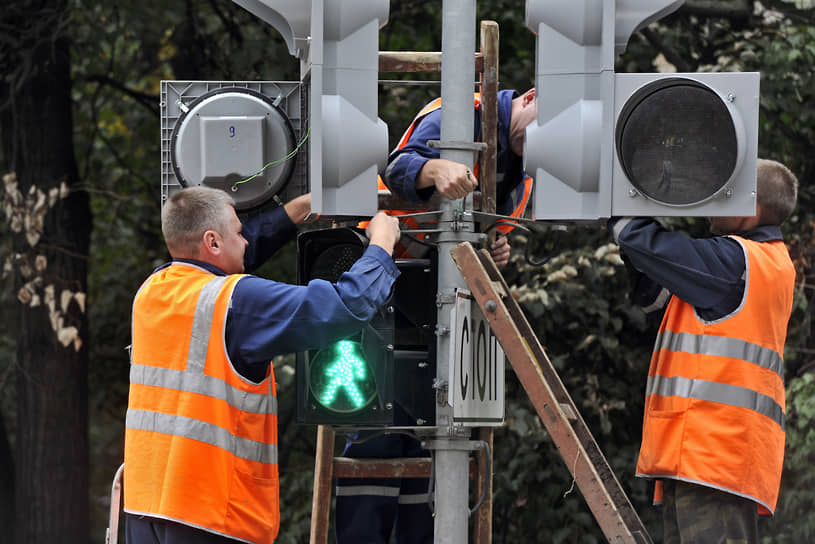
[[576, 301]]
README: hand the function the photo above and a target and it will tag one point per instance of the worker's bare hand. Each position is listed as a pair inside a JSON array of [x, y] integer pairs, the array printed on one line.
[[452, 179], [499, 251], [383, 231]]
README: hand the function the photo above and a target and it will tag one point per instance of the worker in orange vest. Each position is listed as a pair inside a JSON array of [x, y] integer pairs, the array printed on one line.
[[369, 510], [713, 432], [201, 445]]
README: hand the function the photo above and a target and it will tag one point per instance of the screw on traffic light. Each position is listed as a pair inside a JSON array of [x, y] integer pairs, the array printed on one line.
[[382, 375], [632, 144]]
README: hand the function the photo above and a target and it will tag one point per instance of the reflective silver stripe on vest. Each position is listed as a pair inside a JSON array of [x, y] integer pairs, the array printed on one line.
[[202, 323], [195, 429], [721, 346], [722, 393], [373, 490], [257, 403]]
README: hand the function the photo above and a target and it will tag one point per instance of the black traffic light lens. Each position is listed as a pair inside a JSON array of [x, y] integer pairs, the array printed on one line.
[[333, 261], [676, 141]]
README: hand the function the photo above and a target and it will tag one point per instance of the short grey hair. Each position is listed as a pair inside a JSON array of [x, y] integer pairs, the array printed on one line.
[[189, 213], [777, 192]]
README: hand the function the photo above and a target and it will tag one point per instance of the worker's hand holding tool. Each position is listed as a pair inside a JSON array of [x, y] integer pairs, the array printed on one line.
[[452, 179]]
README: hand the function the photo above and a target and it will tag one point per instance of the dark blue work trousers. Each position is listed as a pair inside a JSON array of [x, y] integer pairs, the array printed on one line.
[[368, 510], [146, 530]]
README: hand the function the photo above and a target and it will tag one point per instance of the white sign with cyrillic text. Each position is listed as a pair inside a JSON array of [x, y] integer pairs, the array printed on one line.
[[476, 367]]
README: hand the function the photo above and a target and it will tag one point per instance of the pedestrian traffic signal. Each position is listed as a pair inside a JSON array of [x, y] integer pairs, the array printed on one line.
[[382, 375], [608, 144], [337, 42], [341, 379]]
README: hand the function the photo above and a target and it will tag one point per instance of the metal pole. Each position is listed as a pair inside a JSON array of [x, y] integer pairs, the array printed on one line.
[[457, 76]]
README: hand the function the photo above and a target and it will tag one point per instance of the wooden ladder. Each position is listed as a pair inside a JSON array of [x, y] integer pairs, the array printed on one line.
[[576, 445], [327, 467]]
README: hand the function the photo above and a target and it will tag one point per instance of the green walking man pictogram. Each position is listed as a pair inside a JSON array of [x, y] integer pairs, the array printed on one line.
[[345, 372]]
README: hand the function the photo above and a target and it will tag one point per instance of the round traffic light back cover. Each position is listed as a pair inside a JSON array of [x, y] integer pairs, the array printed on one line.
[[676, 142], [238, 140]]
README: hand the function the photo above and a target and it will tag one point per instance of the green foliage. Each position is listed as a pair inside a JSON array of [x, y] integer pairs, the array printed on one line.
[[793, 521]]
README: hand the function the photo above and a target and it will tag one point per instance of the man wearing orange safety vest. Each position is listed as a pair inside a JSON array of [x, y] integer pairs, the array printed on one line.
[[201, 445], [415, 171], [713, 431], [368, 510]]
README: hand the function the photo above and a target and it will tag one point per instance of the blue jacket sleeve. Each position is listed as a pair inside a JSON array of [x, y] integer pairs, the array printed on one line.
[[266, 233], [704, 272], [269, 318], [404, 164]]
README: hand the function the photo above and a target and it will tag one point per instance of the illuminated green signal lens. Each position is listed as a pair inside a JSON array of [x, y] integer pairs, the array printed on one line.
[[340, 378]]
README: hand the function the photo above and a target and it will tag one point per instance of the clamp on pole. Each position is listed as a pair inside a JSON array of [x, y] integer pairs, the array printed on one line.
[[462, 445]]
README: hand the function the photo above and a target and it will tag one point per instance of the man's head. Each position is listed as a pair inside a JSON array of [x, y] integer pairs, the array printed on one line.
[[524, 111], [200, 223], [777, 193]]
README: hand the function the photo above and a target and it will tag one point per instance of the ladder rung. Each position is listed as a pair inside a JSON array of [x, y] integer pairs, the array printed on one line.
[[400, 467]]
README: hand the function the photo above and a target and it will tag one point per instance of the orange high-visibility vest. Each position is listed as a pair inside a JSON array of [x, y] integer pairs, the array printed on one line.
[[715, 403], [411, 250], [200, 440]]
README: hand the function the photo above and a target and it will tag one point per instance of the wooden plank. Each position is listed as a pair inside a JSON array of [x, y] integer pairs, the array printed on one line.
[[487, 173], [489, 115], [417, 61], [398, 467], [321, 499]]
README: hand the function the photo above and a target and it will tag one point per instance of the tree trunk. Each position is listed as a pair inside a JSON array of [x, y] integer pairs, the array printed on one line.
[[6, 479], [50, 220]]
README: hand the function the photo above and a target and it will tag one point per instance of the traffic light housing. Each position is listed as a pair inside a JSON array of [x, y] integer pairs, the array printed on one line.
[[608, 144], [337, 42], [382, 375]]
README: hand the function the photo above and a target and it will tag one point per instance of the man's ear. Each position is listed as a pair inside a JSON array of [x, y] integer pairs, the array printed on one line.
[[529, 96], [212, 243]]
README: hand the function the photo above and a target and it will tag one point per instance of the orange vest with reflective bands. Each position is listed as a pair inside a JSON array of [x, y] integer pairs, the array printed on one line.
[[402, 251], [715, 404], [200, 440]]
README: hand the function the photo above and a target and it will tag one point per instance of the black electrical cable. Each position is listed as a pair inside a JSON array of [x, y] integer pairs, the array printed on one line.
[[488, 453]]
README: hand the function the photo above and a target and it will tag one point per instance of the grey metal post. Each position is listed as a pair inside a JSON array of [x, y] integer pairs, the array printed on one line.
[[457, 77]]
